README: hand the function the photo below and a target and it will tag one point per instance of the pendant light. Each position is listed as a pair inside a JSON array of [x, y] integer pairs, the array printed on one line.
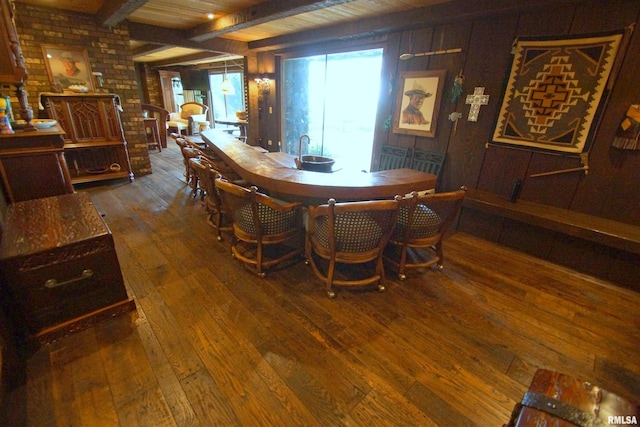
[[226, 87]]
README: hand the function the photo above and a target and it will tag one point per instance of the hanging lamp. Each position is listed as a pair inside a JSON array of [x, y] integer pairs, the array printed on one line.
[[226, 87]]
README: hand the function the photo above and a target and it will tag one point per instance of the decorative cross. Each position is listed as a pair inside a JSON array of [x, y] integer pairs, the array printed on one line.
[[476, 100]]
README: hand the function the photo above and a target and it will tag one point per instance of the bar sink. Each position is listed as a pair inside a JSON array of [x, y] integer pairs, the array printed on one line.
[[317, 163]]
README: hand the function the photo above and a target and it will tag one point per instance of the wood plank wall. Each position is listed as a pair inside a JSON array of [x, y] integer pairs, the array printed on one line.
[[610, 190]]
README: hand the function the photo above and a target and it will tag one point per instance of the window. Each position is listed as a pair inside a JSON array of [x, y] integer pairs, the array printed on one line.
[[333, 99], [226, 105]]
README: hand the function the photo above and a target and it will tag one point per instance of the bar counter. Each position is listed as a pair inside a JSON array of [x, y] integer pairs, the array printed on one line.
[[276, 172]]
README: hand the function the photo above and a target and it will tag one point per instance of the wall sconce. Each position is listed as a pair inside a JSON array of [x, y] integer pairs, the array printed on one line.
[[263, 85]]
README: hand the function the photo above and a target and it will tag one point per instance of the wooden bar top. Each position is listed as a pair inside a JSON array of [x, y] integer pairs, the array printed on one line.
[[277, 173]]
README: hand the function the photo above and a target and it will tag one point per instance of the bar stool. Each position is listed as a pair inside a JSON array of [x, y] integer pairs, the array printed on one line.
[[152, 133]]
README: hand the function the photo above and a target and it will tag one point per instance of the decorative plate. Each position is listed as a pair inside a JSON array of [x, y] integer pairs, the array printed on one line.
[[37, 123], [97, 171], [78, 88], [43, 124]]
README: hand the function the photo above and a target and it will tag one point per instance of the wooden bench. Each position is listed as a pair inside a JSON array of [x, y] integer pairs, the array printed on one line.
[[603, 231]]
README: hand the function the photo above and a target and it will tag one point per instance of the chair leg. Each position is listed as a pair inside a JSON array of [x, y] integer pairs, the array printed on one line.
[[259, 259], [440, 256], [380, 272], [402, 263], [332, 267]]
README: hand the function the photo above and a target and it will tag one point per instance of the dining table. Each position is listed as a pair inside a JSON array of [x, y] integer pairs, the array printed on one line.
[[276, 172], [240, 124]]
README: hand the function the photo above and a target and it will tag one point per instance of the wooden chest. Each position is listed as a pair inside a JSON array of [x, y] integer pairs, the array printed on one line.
[[59, 266], [559, 400]]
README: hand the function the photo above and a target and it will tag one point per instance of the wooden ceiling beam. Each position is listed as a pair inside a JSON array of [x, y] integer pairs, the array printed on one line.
[[113, 12], [438, 14], [256, 15], [176, 38], [148, 49], [185, 59]]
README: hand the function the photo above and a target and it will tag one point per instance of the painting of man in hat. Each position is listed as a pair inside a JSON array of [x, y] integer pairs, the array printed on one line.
[[70, 64], [418, 101], [412, 115], [68, 67]]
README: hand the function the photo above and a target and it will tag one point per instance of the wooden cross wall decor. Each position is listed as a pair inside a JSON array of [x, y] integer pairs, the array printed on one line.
[[476, 100]]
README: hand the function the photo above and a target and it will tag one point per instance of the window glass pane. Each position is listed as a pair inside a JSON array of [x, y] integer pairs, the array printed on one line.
[[333, 99], [226, 105]]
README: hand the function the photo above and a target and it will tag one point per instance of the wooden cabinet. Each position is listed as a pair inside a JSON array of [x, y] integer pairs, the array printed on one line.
[[95, 147], [12, 68], [32, 164]]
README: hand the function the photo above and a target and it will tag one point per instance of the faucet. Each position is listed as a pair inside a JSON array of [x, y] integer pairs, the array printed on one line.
[[298, 160]]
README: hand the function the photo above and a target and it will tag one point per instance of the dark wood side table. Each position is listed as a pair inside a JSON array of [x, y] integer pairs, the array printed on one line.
[[60, 272]]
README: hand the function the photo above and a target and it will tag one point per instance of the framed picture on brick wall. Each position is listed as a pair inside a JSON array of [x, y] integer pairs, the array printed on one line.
[[68, 67]]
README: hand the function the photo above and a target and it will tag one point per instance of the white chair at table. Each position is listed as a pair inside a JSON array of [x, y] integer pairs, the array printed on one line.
[[192, 116]]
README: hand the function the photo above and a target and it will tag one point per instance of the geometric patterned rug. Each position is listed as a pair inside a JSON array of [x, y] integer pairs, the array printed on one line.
[[555, 90]]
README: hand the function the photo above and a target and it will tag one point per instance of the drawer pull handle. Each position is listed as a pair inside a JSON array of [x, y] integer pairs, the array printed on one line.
[[53, 283]]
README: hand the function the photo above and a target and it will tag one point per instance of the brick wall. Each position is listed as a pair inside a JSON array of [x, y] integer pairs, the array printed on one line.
[[152, 93], [109, 53]]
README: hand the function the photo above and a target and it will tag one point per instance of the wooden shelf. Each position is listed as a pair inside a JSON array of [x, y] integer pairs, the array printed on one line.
[[603, 231], [86, 177]]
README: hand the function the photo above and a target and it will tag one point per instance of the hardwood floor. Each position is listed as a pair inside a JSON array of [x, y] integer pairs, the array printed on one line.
[[213, 344]]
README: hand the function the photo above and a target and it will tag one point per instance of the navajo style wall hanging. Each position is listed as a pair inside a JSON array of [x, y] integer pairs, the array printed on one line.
[[555, 91]]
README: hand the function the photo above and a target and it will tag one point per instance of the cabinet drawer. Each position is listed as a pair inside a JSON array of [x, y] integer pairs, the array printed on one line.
[[44, 296]]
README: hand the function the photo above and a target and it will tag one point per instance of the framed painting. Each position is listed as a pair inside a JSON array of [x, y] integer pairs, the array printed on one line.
[[556, 91], [68, 67], [418, 100]]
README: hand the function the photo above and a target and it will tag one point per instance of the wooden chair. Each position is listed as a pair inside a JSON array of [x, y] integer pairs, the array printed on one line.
[[182, 143], [422, 222], [189, 153], [198, 166], [266, 232], [217, 217], [153, 133], [427, 161], [162, 115], [347, 235], [394, 157], [189, 118]]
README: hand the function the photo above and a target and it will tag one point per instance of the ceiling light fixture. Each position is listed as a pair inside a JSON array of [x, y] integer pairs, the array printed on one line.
[[210, 15]]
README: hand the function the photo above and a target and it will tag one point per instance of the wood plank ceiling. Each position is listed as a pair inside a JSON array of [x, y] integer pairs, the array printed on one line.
[[170, 32]]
